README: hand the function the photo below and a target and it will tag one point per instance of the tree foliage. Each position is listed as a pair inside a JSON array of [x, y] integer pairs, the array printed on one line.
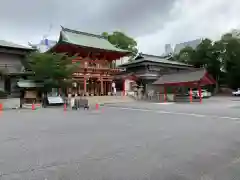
[[220, 58], [232, 61], [122, 41], [53, 69]]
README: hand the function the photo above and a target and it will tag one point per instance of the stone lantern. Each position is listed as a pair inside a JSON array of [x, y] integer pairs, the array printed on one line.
[[74, 84], [135, 87], [140, 91]]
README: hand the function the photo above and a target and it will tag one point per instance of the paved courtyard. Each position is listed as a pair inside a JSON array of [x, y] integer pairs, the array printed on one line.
[[134, 141]]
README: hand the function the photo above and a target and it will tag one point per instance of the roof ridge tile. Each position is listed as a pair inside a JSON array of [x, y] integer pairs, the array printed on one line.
[[81, 32]]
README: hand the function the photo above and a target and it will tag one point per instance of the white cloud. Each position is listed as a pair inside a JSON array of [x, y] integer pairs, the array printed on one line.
[[192, 20]]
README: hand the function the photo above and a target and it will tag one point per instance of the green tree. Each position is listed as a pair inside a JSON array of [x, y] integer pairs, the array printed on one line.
[[122, 41], [221, 58], [231, 60], [207, 55], [54, 70], [185, 55]]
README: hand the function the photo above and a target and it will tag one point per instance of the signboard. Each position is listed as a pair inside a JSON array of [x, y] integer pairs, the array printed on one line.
[[30, 95], [55, 100]]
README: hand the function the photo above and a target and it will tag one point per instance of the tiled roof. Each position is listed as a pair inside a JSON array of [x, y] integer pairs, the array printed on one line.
[[4, 43], [28, 84], [185, 76], [154, 59], [87, 40]]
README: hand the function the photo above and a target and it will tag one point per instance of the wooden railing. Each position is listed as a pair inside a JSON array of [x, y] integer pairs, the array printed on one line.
[[98, 66]]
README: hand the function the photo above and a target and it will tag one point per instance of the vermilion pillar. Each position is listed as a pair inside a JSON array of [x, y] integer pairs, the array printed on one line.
[[200, 93], [110, 86], [190, 95], [174, 93], [85, 85], [165, 94], [101, 85], [104, 88], [160, 94], [124, 88]]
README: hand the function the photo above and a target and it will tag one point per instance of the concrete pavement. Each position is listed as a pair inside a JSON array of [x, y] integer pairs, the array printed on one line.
[[122, 141]]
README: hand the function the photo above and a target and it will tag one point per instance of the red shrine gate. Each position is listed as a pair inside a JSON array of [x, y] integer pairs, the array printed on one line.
[[96, 58]]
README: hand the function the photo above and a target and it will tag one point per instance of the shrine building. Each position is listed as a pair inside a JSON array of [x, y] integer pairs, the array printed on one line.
[[97, 61]]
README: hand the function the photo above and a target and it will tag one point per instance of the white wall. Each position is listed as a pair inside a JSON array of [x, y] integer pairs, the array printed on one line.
[[122, 60], [11, 60]]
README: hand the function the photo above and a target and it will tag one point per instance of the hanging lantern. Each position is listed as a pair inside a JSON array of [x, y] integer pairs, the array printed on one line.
[[74, 84]]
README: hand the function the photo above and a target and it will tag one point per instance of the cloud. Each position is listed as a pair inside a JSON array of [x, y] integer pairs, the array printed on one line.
[[194, 19], [153, 23], [32, 18]]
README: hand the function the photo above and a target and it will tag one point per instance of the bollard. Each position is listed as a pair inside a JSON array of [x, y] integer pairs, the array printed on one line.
[[1, 107]]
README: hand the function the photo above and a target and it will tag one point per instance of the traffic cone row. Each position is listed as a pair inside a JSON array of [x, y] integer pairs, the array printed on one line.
[[33, 106]]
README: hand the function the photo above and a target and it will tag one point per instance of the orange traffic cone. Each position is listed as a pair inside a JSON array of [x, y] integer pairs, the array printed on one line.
[[33, 106], [1, 107], [190, 95], [97, 106]]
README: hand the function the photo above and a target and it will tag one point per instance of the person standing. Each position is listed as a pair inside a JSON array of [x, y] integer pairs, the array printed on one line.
[[77, 99], [69, 97], [73, 102], [114, 92], [44, 100], [21, 98]]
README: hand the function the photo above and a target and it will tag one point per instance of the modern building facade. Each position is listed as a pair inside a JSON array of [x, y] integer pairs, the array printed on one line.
[[44, 45], [168, 49], [178, 47], [193, 44]]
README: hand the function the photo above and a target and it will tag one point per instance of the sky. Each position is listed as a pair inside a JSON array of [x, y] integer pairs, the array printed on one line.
[[153, 23]]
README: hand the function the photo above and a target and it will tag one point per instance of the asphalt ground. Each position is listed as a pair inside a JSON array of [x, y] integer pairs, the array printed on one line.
[[134, 141]]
